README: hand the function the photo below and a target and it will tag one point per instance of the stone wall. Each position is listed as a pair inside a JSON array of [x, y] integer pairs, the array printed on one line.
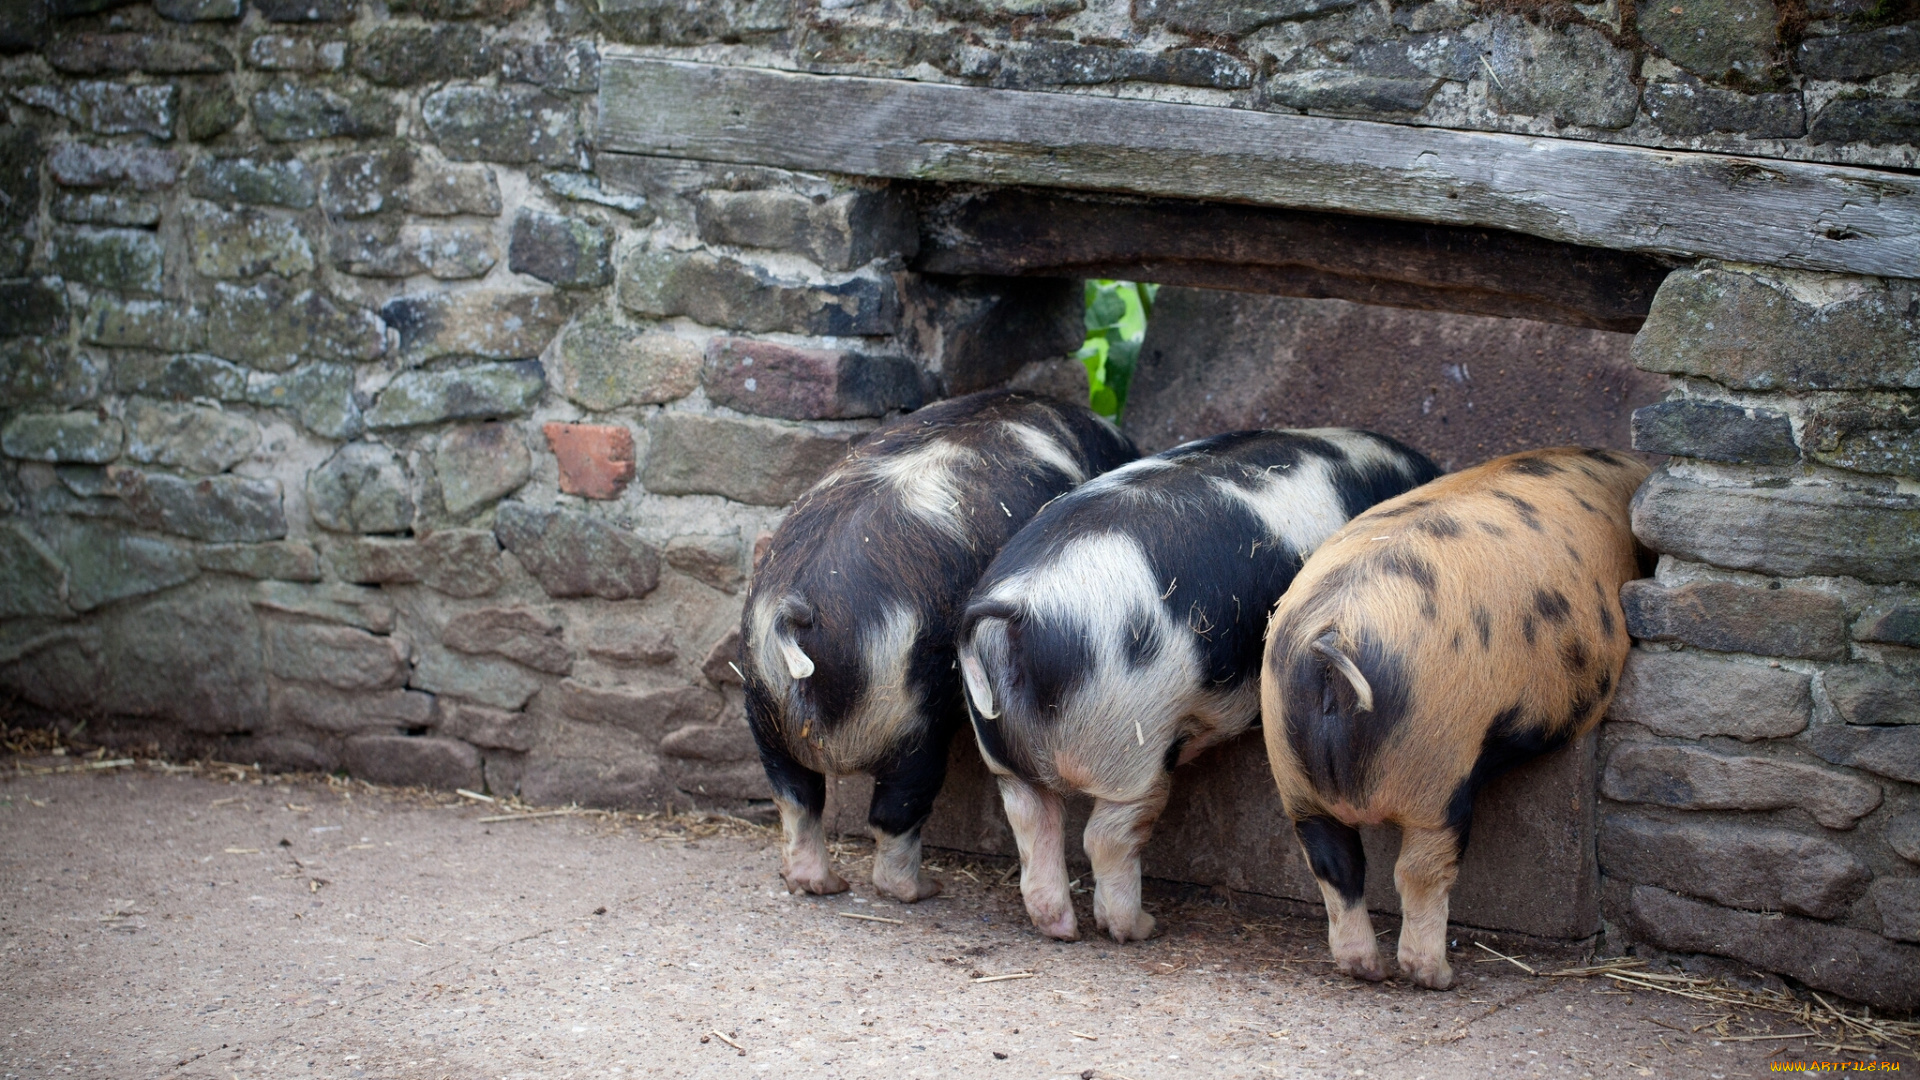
[[359, 410]]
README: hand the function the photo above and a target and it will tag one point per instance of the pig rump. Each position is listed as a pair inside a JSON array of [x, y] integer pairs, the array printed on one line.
[[1436, 641], [1120, 633], [847, 634]]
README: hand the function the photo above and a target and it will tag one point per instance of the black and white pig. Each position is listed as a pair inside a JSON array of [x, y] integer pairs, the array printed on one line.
[[847, 636], [1120, 633]]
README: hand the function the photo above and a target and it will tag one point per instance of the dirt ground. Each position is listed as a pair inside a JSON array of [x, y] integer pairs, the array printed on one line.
[[203, 925]]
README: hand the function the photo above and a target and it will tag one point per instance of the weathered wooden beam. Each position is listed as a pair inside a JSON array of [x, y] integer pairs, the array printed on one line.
[[1038, 233], [1782, 213]]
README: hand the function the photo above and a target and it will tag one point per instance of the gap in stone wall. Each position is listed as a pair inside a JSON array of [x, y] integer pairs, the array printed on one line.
[[1461, 388]]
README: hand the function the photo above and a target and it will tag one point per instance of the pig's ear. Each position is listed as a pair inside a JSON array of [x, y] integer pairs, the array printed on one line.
[[1327, 647], [799, 664], [978, 688]]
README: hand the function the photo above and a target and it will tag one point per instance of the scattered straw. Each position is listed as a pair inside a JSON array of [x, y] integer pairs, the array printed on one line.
[[716, 1033], [870, 918], [1009, 975], [1505, 957]]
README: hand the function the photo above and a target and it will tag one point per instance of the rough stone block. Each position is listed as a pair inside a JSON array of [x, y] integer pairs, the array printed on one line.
[[1781, 331], [105, 563], [1872, 436], [1860, 965], [841, 233], [84, 437], [179, 378], [160, 325], [217, 509], [628, 645], [666, 22], [323, 708], [209, 110], [289, 112], [1227, 18], [574, 554], [570, 66], [192, 657], [348, 605], [603, 365], [299, 55], [125, 259], [480, 392], [1873, 694], [362, 488], [1868, 120], [306, 11], [479, 464], [272, 325], [1685, 107], [581, 187], [464, 563], [1572, 74], [1861, 56], [485, 681], [722, 663], [1893, 624], [722, 291], [493, 729], [32, 581], [198, 10], [651, 714], [191, 438], [566, 252], [32, 306], [1721, 40], [487, 324], [422, 761], [1898, 902], [108, 108], [511, 124], [1728, 617], [1893, 752], [1790, 531], [714, 560], [378, 561], [596, 460], [360, 184], [522, 635], [454, 190], [280, 560], [1716, 432], [1903, 836], [749, 461], [461, 9], [83, 165], [98, 209], [245, 243], [321, 397], [711, 742], [1041, 63], [337, 656], [1742, 866], [263, 181], [450, 252], [1687, 695], [412, 55], [1691, 778], [1336, 91], [794, 383]]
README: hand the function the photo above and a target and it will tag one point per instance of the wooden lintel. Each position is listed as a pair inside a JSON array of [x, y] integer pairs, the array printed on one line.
[[1688, 205], [1036, 232]]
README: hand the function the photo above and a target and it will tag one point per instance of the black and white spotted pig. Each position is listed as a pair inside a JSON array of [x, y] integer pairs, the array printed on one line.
[[847, 636], [1438, 640], [1119, 634]]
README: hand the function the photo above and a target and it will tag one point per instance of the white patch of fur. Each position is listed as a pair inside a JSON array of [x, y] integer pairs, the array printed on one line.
[[1043, 447], [925, 482], [1297, 505], [888, 705], [1124, 476], [1363, 451], [762, 652]]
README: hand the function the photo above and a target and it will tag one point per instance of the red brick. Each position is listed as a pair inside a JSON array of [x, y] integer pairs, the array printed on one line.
[[596, 460]]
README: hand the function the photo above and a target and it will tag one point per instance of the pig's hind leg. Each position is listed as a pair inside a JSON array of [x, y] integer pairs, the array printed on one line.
[[801, 795], [1116, 832], [903, 794], [1340, 867], [1428, 865], [1038, 817]]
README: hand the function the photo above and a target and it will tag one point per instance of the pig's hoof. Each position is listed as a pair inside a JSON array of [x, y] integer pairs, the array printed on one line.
[[1061, 925], [822, 884], [1432, 973], [1138, 927], [1366, 967], [908, 892]]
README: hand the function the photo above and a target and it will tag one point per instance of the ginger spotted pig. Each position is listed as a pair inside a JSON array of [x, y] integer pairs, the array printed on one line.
[[1119, 634], [1435, 642], [847, 636]]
